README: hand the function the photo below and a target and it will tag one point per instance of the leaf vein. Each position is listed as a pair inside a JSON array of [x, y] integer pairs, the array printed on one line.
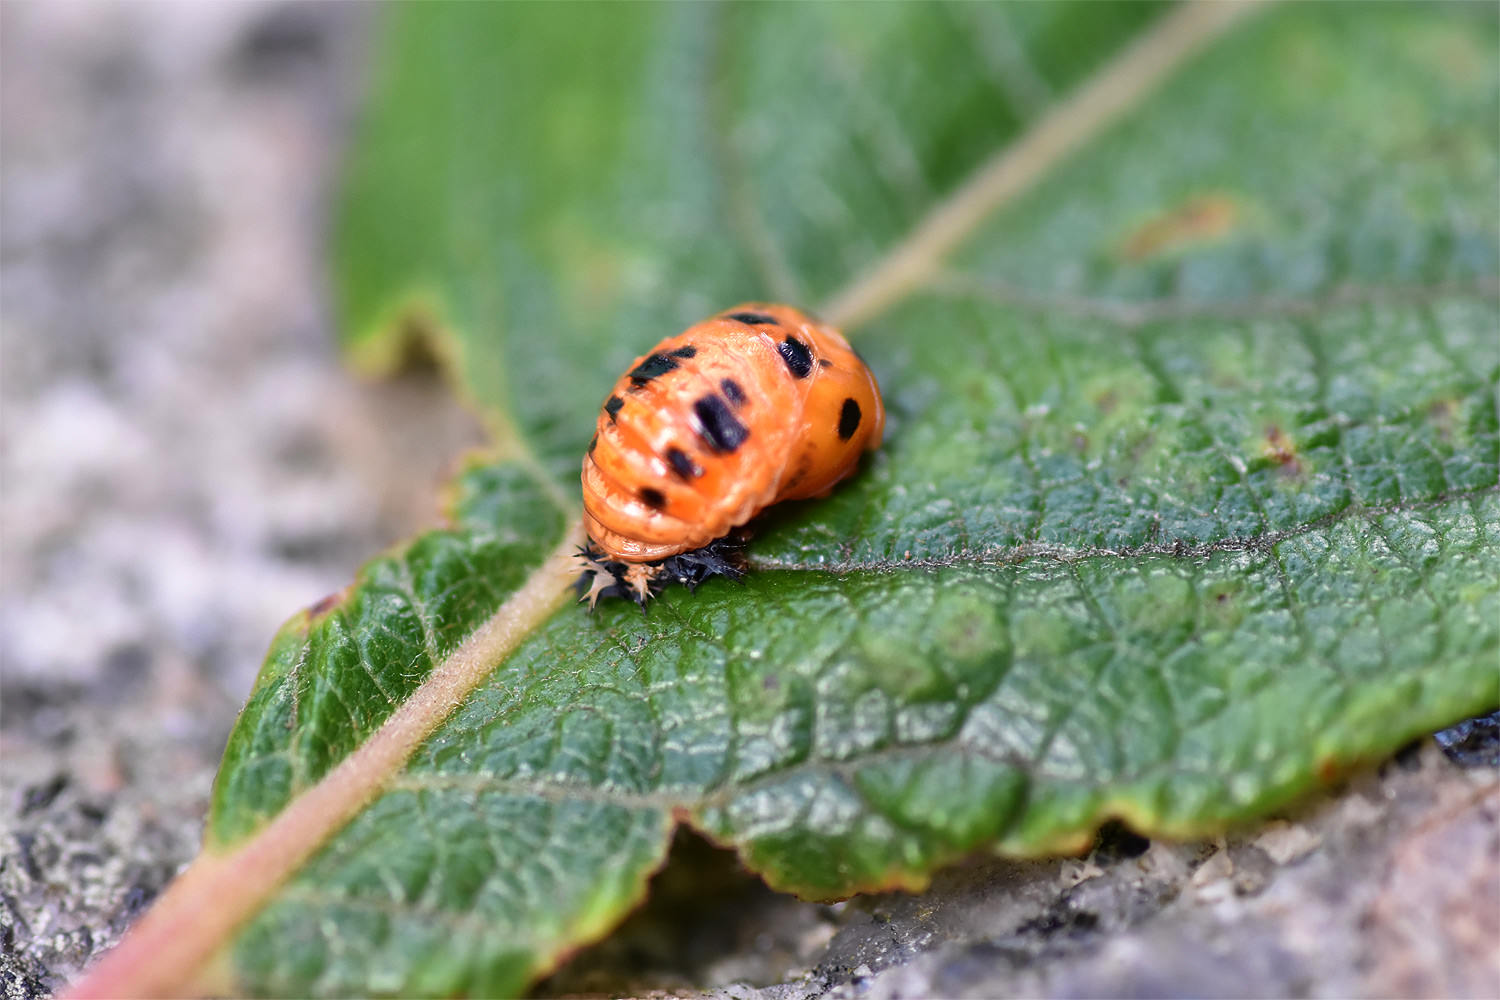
[[1014, 554]]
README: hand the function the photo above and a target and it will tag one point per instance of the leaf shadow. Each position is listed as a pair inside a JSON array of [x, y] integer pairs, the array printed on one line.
[[707, 922]]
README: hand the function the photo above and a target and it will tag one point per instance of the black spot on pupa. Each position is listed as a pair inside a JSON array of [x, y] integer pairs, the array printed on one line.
[[752, 318], [654, 366], [804, 466], [652, 498], [720, 430], [797, 357], [848, 419], [732, 392], [612, 407], [825, 362], [682, 464], [685, 351]]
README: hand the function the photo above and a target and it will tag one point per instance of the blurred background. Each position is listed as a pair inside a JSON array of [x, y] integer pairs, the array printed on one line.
[[184, 462]]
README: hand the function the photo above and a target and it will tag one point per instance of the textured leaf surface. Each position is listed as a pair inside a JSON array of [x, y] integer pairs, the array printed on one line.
[[1188, 502]]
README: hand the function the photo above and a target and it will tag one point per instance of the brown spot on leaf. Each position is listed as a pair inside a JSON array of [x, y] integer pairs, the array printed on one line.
[[1442, 413], [1283, 451], [1198, 219], [326, 604], [1327, 770]]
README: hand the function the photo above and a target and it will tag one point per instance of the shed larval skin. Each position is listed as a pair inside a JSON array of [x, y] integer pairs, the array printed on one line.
[[759, 404]]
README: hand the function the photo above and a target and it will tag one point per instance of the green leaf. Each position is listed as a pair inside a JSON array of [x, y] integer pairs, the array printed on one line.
[[1188, 503]]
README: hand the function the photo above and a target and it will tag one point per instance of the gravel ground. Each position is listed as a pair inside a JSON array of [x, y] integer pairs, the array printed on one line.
[[183, 462]]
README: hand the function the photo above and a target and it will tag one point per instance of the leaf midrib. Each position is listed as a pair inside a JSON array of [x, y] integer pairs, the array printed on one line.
[[1104, 98]]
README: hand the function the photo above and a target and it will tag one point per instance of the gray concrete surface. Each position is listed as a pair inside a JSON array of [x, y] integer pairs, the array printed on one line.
[[183, 463]]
